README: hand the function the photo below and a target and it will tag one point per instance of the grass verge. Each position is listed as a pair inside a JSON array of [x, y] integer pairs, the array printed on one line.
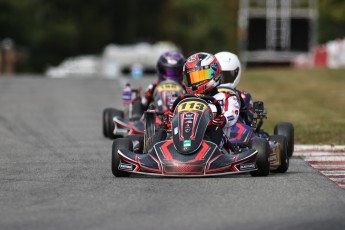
[[313, 100]]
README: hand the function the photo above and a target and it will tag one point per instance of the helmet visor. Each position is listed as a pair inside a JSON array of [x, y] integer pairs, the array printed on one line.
[[198, 76], [230, 75]]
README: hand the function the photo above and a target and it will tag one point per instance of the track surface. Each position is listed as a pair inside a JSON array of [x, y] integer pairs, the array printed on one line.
[[55, 173]]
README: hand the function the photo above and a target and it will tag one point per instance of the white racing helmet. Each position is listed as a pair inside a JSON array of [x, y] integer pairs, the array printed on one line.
[[231, 68]]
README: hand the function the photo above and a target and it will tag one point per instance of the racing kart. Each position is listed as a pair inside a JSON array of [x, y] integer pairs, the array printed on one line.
[[115, 125], [185, 148], [279, 146], [282, 128], [134, 112]]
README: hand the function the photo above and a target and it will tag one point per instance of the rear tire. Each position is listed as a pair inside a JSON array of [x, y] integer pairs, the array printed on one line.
[[120, 143], [263, 148], [284, 158], [286, 129], [108, 124], [105, 122]]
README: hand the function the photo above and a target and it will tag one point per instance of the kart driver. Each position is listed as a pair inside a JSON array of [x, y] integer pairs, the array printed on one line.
[[202, 74], [169, 67], [231, 70]]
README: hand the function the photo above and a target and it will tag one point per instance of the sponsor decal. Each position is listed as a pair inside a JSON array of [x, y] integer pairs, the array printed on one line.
[[175, 130], [247, 166], [187, 130], [124, 166], [230, 118], [187, 143], [191, 59], [189, 116]]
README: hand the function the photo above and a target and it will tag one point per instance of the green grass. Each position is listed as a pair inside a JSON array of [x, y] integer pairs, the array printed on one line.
[[313, 100]]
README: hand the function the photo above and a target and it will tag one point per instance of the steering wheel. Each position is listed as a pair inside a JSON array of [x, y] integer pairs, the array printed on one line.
[[207, 98]]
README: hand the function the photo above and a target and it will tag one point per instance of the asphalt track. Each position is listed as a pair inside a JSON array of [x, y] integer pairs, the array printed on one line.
[[55, 173]]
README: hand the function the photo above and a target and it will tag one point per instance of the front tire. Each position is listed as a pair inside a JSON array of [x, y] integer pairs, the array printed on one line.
[[284, 158], [263, 148], [120, 143], [286, 129]]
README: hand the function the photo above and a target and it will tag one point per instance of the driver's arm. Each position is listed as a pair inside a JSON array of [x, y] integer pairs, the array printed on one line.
[[231, 108]]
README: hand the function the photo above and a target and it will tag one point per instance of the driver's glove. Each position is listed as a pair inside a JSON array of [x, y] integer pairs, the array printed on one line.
[[168, 114], [219, 121]]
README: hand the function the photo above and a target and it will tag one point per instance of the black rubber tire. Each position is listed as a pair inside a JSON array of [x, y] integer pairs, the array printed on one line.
[[137, 109], [284, 158], [286, 129], [263, 148], [111, 113], [120, 143], [140, 139], [105, 122]]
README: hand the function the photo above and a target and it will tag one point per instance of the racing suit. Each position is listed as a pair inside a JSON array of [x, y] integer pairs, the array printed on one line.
[[230, 110], [245, 102]]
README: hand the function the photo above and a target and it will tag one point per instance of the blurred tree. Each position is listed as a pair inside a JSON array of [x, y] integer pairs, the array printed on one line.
[[331, 20], [52, 30], [200, 25], [55, 29]]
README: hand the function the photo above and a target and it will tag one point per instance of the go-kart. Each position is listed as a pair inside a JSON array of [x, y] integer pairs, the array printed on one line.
[[134, 112], [279, 146], [282, 128], [183, 146], [115, 125]]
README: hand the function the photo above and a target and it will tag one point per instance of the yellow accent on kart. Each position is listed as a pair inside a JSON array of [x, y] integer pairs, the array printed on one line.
[[192, 106], [169, 87]]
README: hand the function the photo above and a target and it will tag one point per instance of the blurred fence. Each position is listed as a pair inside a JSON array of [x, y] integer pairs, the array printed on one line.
[[114, 60], [330, 55]]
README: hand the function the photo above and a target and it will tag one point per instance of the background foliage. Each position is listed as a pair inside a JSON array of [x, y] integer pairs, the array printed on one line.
[[49, 31]]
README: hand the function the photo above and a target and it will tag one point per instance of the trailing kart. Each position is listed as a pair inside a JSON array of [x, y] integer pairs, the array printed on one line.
[[275, 146], [280, 145], [184, 149], [282, 128], [114, 123], [135, 111]]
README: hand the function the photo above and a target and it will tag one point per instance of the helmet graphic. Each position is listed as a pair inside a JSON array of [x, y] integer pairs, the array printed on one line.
[[201, 73]]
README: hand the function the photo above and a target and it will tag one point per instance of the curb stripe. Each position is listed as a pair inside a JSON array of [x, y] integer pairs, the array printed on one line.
[[328, 160]]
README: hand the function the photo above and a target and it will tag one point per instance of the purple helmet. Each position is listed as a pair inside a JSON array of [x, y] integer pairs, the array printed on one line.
[[170, 65]]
